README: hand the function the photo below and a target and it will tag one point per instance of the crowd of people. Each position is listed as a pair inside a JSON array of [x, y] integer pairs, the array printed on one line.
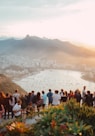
[[12, 105]]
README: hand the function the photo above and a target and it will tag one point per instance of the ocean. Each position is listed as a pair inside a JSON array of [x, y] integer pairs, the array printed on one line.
[[55, 80]]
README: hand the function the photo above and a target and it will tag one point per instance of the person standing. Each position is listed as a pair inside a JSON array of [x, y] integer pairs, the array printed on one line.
[[56, 98], [61, 94], [39, 101], [77, 95], [83, 94], [6, 106], [49, 95], [44, 97], [11, 103], [94, 99], [16, 95], [1, 111]]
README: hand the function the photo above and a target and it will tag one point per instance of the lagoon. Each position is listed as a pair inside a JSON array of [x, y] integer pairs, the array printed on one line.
[[55, 79]]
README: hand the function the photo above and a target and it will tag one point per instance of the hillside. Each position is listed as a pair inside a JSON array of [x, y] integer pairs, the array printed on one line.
[[20, 57], [6, 85], [35, 46]]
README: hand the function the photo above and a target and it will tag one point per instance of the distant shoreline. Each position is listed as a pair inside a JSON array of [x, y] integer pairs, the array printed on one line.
[[19, 77], [85, 75], [72, 79]]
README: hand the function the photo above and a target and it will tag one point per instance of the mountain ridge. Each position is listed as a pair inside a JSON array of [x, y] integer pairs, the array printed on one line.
[[37, 44], [21, 57]]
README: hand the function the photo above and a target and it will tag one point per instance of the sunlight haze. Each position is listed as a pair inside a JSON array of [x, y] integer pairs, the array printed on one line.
[[71, 20]]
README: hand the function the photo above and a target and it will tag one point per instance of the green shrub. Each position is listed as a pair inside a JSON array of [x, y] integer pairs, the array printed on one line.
[[80, 113], [69, 119], [63, 121]]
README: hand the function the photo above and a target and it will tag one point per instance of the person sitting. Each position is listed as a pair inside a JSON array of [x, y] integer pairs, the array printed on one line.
[[17, 109], [29, 108]]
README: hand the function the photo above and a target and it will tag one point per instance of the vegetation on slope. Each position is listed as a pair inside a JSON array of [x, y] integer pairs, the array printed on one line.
[[7, 86]]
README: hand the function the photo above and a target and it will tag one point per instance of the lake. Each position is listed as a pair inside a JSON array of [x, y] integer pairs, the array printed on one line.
[[55, 79]]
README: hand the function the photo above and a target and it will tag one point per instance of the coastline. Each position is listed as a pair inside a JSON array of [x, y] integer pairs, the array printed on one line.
[[71, 79], [19, 77], [86, 76]]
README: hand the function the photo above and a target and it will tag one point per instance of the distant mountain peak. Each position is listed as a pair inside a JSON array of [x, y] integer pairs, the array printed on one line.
[[44, 46]]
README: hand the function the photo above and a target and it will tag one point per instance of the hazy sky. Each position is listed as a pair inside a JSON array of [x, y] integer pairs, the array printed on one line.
[[72, 20]]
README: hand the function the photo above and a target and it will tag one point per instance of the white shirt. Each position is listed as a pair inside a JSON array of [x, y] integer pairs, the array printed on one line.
[[16, 95], [12, 103], [17, 109], [56, 99]]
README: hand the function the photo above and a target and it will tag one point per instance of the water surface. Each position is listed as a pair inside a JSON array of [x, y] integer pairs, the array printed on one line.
[[55, 79]]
